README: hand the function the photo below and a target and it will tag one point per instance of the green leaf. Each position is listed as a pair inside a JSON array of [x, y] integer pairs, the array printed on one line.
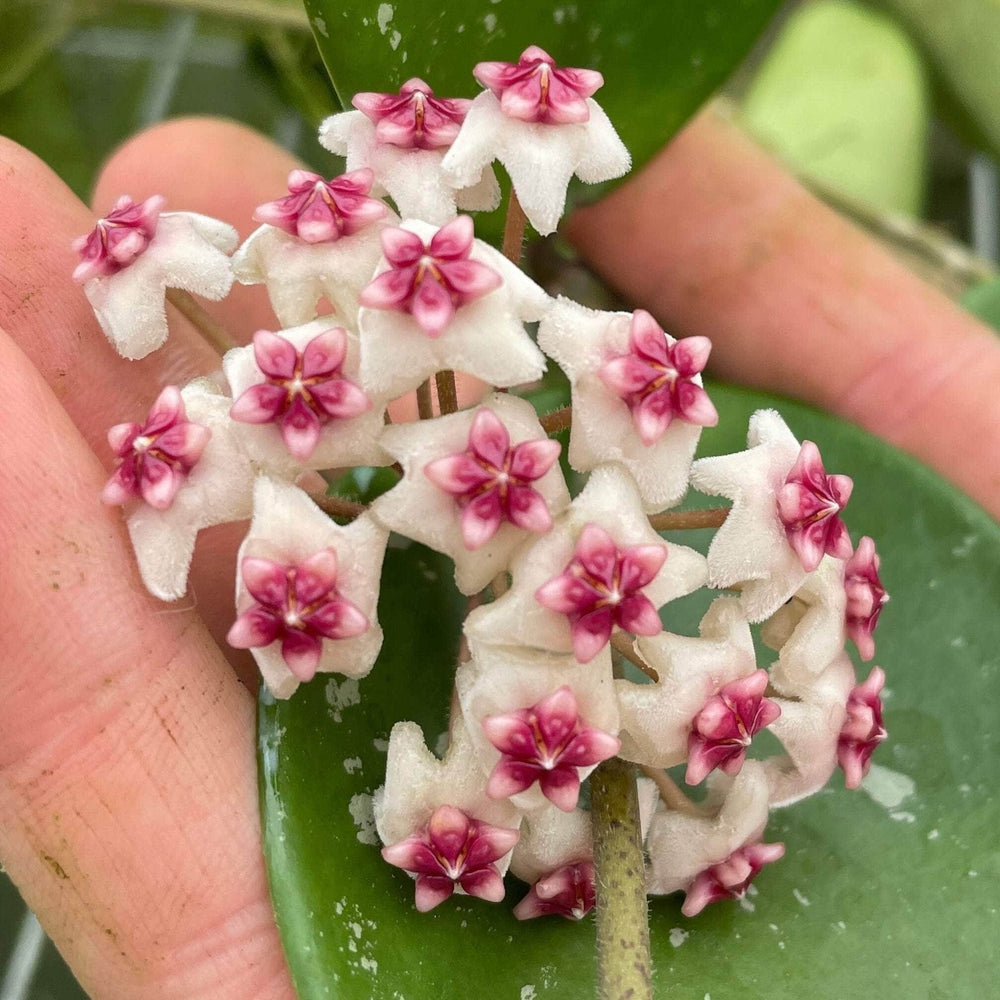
[[31, 28], [896, 899], [843, 99], [983, 300], [660, 60]]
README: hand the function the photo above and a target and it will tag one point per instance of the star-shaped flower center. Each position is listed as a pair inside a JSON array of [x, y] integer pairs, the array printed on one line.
[[414, 118], [568, 892], [454, 851], [536, 90], [302, 390], [491, 481], [155, 458], [118, 238], [726, 725], [809, 504], [547, 743], [601, 588], [655, 379], [865, 596], [298, 605], [731, 878], [319, 211], [430, 281], [863, 729]]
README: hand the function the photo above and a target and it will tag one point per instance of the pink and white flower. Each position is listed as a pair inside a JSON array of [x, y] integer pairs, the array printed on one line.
[[155, 458], [430, 280], [564, 599], [307, 590], [809, 504], [865, 597], [636, 393], [656, 719], [298, 403], [495, 514], [403, 138], [754, 547], [730, 878], [567, 892], [135, 253], [863, 728], [454, 852], [722, 731], [215, 489], [542, 124], [442, 300]]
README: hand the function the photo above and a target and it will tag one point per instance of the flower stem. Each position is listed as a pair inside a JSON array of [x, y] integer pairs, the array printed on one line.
[[425, 403], [624, 966], [679, 520], [621, 644], [513, 229], [339, 506], [673, 797], [557, 420], [215, 333], [447, 391]]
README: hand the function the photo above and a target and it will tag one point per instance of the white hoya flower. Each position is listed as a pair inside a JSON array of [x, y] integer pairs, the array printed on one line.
[[637, 395], [783, 519], [600, 567], [307, 590], [656, 718], [810, 630], [476, 485], [437, 822], [402, 138], [321, 240], [187, 467], [540, 722], [713, 856], [809, 727], [135, 254], [541, 123], [442, 300], [298, 403]]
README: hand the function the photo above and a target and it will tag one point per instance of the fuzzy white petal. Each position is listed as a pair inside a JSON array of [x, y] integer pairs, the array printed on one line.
[[656, 718], [610, 500], [289, 528], [751, 548], [419, 509]]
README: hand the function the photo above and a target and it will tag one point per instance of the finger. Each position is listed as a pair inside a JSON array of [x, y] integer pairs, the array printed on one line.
[[716, 239], [127, 783], [215, 167]]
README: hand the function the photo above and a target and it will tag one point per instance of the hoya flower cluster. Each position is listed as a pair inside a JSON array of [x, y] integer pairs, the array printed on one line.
[[563, 589]]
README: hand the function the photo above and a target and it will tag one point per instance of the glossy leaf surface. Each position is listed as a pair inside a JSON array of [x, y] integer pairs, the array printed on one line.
[[889, 890]]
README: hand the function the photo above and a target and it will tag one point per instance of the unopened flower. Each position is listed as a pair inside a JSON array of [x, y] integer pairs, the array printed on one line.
[[430, 280], [298, 402], [297, 605], [656, 718], [730, 878], [548, 743], [135, 253], [540, 722], [441, 300], [722, 731], [809, 504], [495, 515], [863, 729], [155, 458], [307, 585], [567, 892], [454, 851], [437, 822], [865, 597], [601, 588], [217, 489], [403, 138], [542, 124], [753, 547], [564, 598], [636, 392]]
